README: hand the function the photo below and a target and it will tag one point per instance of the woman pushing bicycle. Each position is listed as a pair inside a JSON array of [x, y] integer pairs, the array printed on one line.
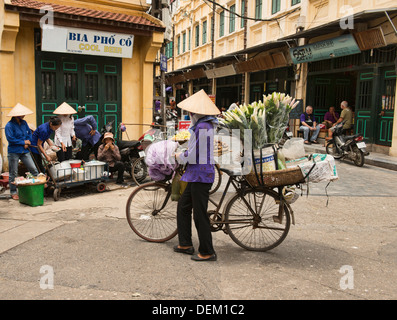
[[199, 175]]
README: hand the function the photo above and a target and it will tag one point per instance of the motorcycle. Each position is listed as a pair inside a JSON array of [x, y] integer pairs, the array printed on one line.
[[347, 147], [130, 151]]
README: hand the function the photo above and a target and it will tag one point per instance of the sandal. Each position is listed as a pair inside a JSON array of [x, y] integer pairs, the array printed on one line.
[[307, 142], [15, 197], [315, 142]]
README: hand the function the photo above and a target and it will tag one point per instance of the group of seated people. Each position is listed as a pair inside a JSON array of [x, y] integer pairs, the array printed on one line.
[[311, 129]]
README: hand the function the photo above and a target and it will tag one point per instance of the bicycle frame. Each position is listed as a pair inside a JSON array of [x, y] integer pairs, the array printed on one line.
[[240, 191]]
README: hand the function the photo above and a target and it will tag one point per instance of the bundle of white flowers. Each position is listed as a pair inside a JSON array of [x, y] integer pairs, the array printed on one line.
[[267, 120]]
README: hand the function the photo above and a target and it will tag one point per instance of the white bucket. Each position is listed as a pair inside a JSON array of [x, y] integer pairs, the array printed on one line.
[[94, 169], [78, 174], [61, 171], [268, 163]]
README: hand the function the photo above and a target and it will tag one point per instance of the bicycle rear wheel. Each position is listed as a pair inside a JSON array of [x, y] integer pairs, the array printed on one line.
[[150, 212], [257, 221], [139, 171]]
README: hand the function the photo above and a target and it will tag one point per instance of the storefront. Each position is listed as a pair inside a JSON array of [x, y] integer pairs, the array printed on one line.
[[97, 57], [367, 81], [269, 81], [354, 65]]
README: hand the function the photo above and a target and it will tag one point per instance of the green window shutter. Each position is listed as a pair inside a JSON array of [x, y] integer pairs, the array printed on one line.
[[204, 32], [222, 24], [232, 19]]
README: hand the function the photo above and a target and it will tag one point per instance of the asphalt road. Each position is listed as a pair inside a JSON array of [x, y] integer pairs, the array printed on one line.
[[81, 247]]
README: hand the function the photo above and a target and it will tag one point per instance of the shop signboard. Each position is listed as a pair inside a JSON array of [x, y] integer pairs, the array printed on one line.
[[331, 48], [163, 62], [184, 124], [89, 42]]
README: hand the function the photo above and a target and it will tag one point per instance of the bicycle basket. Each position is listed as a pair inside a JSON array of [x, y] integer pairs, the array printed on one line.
[[265, 173]]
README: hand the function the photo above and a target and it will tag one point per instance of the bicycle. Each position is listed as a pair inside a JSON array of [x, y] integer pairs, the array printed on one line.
[[256, 218]]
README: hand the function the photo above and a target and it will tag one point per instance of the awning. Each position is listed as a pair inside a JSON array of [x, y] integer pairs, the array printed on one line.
[[275, 60], [334, 26], [65, 15]]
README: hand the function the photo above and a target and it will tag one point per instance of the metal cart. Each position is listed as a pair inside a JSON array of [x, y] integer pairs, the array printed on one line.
[[61, 176]]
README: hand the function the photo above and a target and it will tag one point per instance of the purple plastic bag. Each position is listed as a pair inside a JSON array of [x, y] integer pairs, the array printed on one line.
[[160, 159]]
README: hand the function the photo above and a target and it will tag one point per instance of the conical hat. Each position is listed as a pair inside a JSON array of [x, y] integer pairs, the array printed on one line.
[[19, 110], [199, 103], [64, 108]]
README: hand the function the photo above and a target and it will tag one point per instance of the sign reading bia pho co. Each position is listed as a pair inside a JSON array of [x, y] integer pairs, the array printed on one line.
[[91, 42]]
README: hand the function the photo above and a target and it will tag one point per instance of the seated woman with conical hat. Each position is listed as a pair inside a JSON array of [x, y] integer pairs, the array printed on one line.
[[19, 137], [199, 175]]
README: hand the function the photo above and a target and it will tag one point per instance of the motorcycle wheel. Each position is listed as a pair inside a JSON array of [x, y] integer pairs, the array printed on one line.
[[358, 157], [333, 150], [139, 171]]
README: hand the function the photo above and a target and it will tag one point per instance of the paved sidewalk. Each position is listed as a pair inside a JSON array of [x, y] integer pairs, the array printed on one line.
[[374, 159]]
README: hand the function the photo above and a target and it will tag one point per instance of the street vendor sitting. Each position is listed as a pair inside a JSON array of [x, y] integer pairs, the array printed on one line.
[[110, 153]]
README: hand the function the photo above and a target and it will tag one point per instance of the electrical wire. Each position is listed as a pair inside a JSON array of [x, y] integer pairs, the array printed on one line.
[[250, 18]]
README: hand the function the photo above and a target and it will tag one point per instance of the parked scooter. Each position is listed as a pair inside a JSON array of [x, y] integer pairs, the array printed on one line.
[[129, 150], [347, 147]]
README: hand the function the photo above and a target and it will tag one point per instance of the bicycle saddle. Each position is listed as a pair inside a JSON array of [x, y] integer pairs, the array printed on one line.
[[233, 172]]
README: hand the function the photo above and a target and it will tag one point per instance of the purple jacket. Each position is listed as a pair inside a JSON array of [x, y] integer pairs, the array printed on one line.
[[200, 154]]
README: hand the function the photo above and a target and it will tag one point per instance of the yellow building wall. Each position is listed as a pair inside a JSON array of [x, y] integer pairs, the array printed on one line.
[[17, 74]]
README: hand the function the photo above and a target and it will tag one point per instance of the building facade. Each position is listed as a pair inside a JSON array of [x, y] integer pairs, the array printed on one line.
[[319, 51], [96, 55]]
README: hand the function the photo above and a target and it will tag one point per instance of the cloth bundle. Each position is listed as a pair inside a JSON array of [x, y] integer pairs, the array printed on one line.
[[160, 159]]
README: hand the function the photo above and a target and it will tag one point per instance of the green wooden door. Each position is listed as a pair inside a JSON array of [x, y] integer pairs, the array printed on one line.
[[329, 90], [91, 85], [364, 113], [385, 104]]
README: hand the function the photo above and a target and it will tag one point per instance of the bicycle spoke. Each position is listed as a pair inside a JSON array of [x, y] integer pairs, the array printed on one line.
[[151, 213], [257, 231]]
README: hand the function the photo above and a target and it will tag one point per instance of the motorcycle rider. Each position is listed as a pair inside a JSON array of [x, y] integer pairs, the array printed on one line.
[[346, 116]]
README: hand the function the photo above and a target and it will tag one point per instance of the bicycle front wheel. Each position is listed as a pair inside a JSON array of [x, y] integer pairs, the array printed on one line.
[[151, 213], [257, 221]]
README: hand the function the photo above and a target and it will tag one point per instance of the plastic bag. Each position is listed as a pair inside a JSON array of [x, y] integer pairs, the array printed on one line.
[[178, 187], [160, 159], [320, 168], [294, 149]]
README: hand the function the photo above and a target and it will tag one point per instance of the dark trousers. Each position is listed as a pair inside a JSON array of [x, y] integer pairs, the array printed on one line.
[[195, 198], [119, 167], [38, 161], [62, 156], [86, 150]]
